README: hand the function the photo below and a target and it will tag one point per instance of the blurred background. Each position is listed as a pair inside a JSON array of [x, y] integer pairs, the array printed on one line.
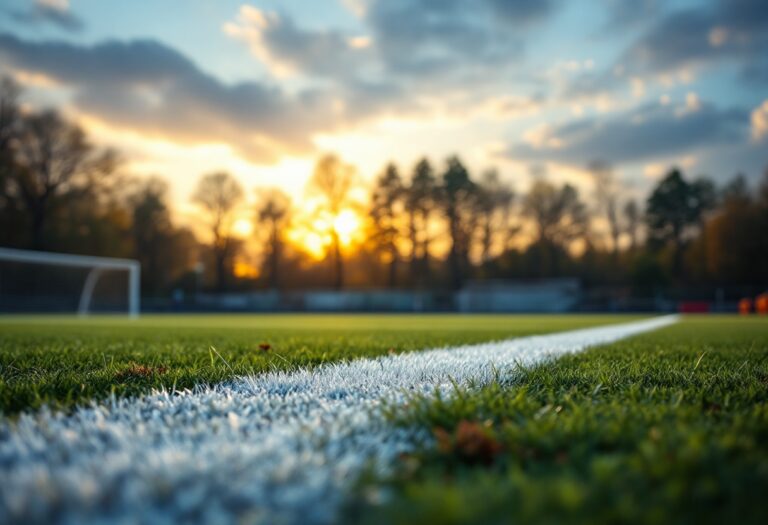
[[398, 155]]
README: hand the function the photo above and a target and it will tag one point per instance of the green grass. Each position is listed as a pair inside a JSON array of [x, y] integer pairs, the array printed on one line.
[[63, 361], [667, 427]]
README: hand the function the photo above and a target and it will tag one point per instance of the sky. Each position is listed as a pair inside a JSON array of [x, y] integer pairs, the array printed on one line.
[[534, 88]]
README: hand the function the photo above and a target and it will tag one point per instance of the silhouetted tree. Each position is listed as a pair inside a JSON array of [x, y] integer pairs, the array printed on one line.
[[219, 194], [11, 214], [420, 200], [559, 218], [151, 229], [53, 159], [632, 220], [672, 209], [9, 112], [457, 196], [493, 206], [732, 243], [558, 214], [272, 217], [334, 180], [607, 197], [385, 212]]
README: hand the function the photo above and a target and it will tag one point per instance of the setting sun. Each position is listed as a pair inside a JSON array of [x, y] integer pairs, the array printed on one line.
[[315, 235], [346, 224], [242, 228]]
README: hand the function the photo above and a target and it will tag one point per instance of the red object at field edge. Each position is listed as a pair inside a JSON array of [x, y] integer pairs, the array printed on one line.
[[693, 307]]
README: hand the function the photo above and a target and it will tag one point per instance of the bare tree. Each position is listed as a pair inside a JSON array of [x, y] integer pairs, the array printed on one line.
[[152, 233], [272, 214], [9, 123], [54, 158], [9, 111], [219, 195], [494, 203], [632, 218], [334, 179], [558, 214], [607, 196]]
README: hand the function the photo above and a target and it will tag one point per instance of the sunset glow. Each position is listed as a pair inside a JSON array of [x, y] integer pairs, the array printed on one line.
[[244, 98], [344, 182], [347, 225], [243, 228], [315, 235]]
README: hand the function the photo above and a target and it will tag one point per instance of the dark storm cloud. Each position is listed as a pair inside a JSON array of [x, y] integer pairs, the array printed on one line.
[[429, 37], [719, 31], [520, 12], [726, 29], [622, 14], [148, 86], [643, 134], [42, 13], [423, 41]]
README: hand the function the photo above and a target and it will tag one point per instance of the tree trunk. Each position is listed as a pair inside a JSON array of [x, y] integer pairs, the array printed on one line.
[[392, 280], [220, 255], [487, 240], [274, 259], [38, 224], [413, 262], [338, 281], [678, 255]]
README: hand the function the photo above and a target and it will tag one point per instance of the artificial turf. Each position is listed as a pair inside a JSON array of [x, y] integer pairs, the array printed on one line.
[[666, 427], [64, 361]]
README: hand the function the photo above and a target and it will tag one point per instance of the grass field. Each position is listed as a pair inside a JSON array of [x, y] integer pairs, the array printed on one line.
[[667, 426], [62, 361]]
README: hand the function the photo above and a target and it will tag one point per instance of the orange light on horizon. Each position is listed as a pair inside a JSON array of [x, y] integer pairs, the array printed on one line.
[[245, 270], [315, 235]]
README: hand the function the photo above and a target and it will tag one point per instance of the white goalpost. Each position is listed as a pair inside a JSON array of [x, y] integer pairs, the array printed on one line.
[[96, 265]]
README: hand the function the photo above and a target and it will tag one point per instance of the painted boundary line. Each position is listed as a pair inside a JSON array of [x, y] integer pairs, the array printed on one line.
[[282, 447]]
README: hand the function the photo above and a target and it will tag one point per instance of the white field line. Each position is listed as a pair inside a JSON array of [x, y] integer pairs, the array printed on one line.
[[282, 447]]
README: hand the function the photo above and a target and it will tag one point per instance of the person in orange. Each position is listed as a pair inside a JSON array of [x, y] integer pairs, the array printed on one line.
[[761, 303], [745, 306]]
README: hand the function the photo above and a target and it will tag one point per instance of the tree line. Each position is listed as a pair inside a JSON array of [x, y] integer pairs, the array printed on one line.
[[431, 226]]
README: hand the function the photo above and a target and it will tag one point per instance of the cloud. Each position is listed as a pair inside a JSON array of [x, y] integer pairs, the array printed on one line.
[[645, 133], [623, 14], [429, 37], [287, 49], [673, 44], [415, 41], [724, 29], [56, 12], [759, 121], [409, 55], [145, 85]]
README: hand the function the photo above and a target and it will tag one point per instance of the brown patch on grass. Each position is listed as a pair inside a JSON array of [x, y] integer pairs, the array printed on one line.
[[265, 347], [137, 371], [470, 442]]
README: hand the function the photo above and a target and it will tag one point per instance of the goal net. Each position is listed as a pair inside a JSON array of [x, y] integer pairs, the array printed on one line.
[[32, 281]]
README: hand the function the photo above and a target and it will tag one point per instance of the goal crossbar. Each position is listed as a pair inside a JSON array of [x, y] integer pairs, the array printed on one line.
[[96, 264]]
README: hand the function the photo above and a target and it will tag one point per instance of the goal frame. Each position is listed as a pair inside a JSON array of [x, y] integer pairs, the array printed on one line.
[[96, 265]]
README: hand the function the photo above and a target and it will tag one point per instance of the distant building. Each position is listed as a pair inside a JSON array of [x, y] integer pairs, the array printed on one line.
[[550, 295]]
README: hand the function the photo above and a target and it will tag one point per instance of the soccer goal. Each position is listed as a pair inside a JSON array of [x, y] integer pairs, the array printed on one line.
[[82, 281]]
